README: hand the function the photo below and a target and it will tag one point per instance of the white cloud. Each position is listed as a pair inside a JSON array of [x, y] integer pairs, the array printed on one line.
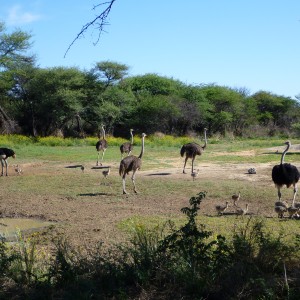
[[16, 16]]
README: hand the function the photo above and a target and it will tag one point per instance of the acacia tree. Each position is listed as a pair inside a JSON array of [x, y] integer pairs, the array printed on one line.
[[13, 61]]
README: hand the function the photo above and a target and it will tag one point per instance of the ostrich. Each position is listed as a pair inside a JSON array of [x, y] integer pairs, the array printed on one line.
[[101, 146], [82, 168], [221, 208], [191, 150], [236, 198], [195, 174], [241, 211], [282, 203], [128, 146], [106, 172], [5, 153], [280, 210], [131, 163], [285, 174], [293, 211], [18, 170]]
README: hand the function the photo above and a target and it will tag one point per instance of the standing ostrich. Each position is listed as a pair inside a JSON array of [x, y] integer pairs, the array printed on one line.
[[101, 146], [191, 150], [131, 163], [5, 153], [128, 146], [285, 174], [236, 198]]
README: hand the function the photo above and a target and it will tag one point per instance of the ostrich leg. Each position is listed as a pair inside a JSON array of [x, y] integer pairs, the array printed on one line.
[[102, 156], [186, 158], [124, 185], [5, 161], [2, 164], [279, 193], [193, 163], [133, 181], [295, 193], [97, 164]]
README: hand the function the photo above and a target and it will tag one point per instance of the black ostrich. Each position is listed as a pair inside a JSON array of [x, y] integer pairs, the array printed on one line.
[[131, 163], [191, 150], [285, 174], [128, 146], [5, 153], [101, 146]]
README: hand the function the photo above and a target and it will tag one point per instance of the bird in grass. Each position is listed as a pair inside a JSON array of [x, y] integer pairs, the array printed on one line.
[[131, 163], [282, 203], [195, 174], [285, 174], [128, 146], [221, 208], [236, 198], [106, 172], [18, 170], [101, 145], [190, 150], [5, 153], [241, 211], [292, 211], [82, 168], [280, 210]]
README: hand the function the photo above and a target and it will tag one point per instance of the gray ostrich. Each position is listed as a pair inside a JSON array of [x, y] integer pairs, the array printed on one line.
[[285, 174], [131, 163], [191, 150], [101, 146], [5, 153], [128, 146]]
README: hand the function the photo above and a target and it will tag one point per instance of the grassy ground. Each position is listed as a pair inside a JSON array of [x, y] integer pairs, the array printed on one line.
[[87, 207]]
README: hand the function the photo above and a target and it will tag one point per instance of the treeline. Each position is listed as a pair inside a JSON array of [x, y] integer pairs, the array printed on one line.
[[72, 102]]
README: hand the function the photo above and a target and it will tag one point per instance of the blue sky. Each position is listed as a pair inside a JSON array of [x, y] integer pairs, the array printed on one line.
[[236, 43]]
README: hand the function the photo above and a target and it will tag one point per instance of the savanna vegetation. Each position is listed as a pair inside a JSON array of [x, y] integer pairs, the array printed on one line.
[[175, 257], [191, 253], [74, 103]]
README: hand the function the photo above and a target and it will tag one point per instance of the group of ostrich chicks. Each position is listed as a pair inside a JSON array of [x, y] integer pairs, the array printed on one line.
[[283, 174]]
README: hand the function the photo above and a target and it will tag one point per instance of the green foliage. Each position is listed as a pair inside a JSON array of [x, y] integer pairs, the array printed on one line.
[[189, 262]]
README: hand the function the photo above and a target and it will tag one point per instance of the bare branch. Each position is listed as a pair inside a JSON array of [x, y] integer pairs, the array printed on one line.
[[100, 22]]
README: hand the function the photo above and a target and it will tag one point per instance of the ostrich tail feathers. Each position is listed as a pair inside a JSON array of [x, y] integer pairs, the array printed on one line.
[[182, 150], [122, 169]]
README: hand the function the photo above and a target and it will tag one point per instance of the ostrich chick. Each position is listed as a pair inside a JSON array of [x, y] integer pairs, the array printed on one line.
[[241, 211], [281, 203], [18, 170], [221, 208], [280, 210], [106, 172], [82, 168], [195, 174], [293, 211], [236, 198]]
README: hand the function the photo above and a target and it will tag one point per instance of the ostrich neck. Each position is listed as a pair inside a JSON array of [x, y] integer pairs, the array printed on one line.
[[131, 137], [284, 153], [103, 132], [143, 146]]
